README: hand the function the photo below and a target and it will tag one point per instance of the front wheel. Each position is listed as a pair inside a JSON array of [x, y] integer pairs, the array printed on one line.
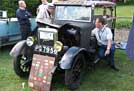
[[22, 65], [74, 75]]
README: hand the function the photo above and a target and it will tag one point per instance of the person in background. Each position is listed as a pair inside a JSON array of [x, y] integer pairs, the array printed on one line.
[[104, 36], [40, 13], [45, 15], [23, 18], [42, 6]]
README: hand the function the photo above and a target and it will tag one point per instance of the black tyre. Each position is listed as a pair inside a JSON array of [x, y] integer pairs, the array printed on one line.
[[22, 66], [74, 75]]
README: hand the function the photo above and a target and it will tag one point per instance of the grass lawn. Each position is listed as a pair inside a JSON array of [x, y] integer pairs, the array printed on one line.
[[102, 78], [125, 11]]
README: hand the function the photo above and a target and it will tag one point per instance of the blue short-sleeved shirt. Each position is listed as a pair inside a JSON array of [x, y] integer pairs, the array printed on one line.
[[103, 35]]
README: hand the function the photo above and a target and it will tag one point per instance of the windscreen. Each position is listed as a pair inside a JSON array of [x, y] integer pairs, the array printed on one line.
[[74, 13]]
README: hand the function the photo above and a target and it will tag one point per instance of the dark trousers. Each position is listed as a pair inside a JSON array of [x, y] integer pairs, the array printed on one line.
[[110, 57], [25, 31]]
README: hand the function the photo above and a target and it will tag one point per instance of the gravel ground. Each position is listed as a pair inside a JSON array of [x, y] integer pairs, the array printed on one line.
[[121, 34]]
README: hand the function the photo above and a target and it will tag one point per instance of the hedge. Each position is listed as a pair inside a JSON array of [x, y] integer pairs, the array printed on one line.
[[123, 23], [11, 5]]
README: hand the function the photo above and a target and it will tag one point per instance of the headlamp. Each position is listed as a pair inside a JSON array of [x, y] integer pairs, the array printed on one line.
[[30, 41], [58, 46]]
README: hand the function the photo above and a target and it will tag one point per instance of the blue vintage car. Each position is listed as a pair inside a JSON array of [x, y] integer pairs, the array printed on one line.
[[10, 31]]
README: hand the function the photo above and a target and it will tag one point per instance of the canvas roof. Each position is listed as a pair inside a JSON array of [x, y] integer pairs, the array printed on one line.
[[84, 2]]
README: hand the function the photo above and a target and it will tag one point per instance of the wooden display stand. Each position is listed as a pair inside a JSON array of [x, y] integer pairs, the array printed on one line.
[[40, 74]]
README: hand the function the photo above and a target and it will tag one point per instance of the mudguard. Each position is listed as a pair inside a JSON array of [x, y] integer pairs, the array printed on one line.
[[67, 59], [16, 50]]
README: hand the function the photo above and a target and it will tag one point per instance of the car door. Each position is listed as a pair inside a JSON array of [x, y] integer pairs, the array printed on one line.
[[3, 31], [14, 32]]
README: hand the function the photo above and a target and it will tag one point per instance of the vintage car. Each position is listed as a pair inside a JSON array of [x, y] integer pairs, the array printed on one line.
[[68, 39], [9, 29]]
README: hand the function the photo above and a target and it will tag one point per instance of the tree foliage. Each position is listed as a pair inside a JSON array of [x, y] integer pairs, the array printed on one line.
[[11, 6]]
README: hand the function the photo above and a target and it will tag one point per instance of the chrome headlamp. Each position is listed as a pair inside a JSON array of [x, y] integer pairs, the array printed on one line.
[[30, 41]]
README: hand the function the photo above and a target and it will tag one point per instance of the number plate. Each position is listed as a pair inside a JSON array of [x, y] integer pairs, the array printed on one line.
[[46, 35], [45, 49]]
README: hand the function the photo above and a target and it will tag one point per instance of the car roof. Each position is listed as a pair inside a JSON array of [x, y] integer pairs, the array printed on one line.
[[85, 3]]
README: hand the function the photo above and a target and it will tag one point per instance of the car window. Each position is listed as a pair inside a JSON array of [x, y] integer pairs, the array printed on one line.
[[105, 12], [101, 11], [75, 13]]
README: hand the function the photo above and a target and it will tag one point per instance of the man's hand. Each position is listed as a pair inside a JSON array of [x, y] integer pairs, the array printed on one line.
[[107, 52], [109, 45], [28, 14]]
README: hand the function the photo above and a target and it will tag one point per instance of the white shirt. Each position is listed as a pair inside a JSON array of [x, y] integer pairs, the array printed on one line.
[[103, 35], [42, 15]]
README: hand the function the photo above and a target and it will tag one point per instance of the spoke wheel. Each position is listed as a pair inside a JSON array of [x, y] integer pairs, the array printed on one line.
[[74, 75], [22, 66]]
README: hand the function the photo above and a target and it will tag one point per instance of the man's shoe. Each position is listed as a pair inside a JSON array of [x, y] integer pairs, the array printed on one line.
[[114, 68]]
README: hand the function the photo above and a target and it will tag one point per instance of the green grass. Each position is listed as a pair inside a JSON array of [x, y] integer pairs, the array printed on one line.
[[102, 78], [8, 80], [126, 11]]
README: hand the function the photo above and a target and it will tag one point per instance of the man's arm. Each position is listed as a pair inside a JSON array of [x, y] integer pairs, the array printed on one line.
[[21, 15], [29, 15], [93, 32], [109, 43]]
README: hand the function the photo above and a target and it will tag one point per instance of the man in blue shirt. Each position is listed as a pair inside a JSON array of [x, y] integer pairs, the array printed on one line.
[[23, 17], [105, 41]]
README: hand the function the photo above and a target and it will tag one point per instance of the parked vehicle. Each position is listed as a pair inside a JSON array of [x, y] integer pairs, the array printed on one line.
[[9, 29], [68, 39]]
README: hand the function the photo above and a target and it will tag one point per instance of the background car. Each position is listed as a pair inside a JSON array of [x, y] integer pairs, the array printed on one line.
[[9, 29]]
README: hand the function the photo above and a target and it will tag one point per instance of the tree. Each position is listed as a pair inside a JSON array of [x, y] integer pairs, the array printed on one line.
[[11, 5]]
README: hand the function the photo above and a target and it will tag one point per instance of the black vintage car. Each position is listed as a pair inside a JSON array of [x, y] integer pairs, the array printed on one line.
[[68, 38]]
